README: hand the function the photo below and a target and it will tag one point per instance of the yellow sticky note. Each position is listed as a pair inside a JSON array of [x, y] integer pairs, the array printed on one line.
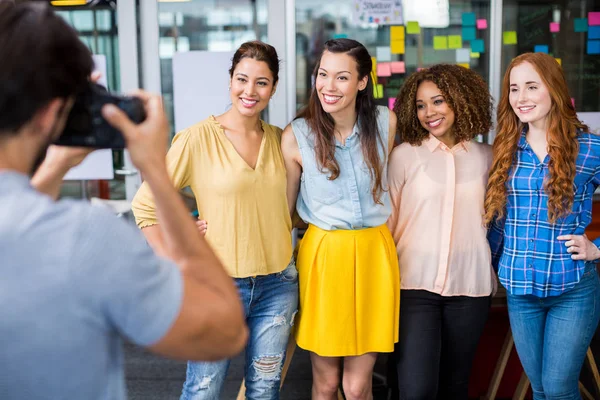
[[374, 61], [397, 47], [440, 42], [378, 91], [466, 65], [413, 28], [455, 42], [559, 61], [509, 37], [396, 33], [475, 55]]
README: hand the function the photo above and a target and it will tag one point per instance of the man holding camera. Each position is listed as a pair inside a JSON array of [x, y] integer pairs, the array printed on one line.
[[75, 279]]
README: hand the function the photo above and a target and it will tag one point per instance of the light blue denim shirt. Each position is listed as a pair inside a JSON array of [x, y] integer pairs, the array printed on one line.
[[345, 202]]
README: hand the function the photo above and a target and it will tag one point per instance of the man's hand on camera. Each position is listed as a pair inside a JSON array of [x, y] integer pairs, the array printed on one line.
[[146, 142]]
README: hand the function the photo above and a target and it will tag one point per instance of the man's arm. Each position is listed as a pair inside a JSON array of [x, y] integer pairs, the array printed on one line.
[[211, 323]]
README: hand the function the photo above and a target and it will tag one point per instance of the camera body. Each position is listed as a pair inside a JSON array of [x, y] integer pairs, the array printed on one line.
[[86, 127]]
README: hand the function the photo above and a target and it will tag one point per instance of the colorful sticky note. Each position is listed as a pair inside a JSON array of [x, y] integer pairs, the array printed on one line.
[[455, 42], [398, 67], [465, 65], [482, 24], [594, 32], [463, 55], [469, 33], [554, 27], [397, 47], [378, 91], [391, 102], [413, 28], [580, 25], [509, 37], [397, 33], [374, 64], [559, 61], [440, 42], [593, 18], [383, 53], [475, 55], [468, 19], [477, 46], [540, 48], [383, 69], [593, 46], [340, 36]]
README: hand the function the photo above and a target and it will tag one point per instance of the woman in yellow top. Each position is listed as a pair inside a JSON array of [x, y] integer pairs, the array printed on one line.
[[234, 165]]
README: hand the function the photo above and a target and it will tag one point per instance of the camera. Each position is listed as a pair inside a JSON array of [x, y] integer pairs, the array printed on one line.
[[86, 127]]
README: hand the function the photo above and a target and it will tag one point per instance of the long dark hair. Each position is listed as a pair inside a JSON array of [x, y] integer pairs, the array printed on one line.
[[322, 124]]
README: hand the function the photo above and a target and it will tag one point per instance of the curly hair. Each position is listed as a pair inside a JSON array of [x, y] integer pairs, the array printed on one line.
[[563, 147], [465, 92]]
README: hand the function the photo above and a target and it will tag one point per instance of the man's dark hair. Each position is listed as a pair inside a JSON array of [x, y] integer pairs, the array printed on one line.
[[41, 59]]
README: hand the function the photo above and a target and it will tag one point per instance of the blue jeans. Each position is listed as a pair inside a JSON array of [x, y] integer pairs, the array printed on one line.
[[552, 335], [270, 304]]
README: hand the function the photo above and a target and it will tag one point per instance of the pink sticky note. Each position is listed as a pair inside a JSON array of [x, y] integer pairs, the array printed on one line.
[[594, 18], [482, 24], [391, 102], [383, 69], [554, 27], [420, 69], [398, 67]]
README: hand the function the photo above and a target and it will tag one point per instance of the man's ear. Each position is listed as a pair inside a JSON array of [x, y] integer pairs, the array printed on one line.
[[48, 116]]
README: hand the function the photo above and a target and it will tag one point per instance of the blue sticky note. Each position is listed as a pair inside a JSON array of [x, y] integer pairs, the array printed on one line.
[[469, 33], [581, 24], [477, 46], [340, 36], [541, 48], [593, 47], [469, 19], [594, 32]]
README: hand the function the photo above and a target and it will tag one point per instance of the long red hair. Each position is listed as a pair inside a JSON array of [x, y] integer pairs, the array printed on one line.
[[563, 147]]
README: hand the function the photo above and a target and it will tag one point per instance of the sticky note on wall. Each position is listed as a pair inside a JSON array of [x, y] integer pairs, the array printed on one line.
[[509, 37], [398, 67], [391, 102], [580, 25], [383, 53], [455, 42], [440, 42], [465, 65], [413, 28], [469, 33], [475, 55], [594, 18], [477, 46], [554, 27], [482, 24], [468, 19], [541, 48], [383, 69], [594, 32], [593, 46], [397, 47], [396, 33], [378, 91], [463, 55]]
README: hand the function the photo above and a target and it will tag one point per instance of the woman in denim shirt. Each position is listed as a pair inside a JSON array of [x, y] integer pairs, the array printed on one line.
[[545, 170], [336, 155]]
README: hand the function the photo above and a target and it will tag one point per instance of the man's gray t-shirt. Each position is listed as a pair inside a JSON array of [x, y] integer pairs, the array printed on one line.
[[74, 281]]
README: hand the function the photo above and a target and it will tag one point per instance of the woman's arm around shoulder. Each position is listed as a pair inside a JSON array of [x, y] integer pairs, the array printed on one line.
[[293, 165]]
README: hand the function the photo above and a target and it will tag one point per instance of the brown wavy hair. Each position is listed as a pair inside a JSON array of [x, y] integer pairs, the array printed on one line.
[[322, 124], [563, 147], [464, 90]]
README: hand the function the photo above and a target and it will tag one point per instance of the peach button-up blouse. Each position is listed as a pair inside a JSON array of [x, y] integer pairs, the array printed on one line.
[[437, 217]]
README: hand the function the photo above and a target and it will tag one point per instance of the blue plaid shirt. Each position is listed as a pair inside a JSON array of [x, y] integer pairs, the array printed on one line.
[[525, 251]]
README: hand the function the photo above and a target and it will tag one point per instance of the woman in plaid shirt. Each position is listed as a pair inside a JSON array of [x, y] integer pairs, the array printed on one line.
[[545, 170]]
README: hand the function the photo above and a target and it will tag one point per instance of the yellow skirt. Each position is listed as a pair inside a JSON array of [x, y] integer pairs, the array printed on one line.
[[349, 292]]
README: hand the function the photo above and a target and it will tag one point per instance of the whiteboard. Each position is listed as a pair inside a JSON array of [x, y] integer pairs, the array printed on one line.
[[99, 164], [200, 86]]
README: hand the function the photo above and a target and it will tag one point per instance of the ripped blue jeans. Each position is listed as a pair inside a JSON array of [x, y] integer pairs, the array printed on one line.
[[270, 303]]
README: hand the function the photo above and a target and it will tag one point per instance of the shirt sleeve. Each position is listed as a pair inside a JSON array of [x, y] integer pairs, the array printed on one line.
[[121, 283], [396, 181], [180, 169], [496, 240]]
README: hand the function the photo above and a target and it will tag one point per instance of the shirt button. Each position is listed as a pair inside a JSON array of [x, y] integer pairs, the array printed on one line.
[[531, 240], [532, 215]]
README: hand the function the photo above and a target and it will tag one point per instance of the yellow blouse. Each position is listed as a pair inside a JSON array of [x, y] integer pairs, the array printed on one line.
[[246, 209]]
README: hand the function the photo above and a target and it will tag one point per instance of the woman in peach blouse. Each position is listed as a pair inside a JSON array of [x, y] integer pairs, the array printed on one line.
[[437, 179]]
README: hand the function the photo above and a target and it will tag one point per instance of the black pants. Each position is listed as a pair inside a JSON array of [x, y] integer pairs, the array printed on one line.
[[438, 340]]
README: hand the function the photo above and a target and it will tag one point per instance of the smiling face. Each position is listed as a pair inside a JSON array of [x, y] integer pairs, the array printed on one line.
[[434, 113], [337, 82], [251, 87], [529, 97]]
